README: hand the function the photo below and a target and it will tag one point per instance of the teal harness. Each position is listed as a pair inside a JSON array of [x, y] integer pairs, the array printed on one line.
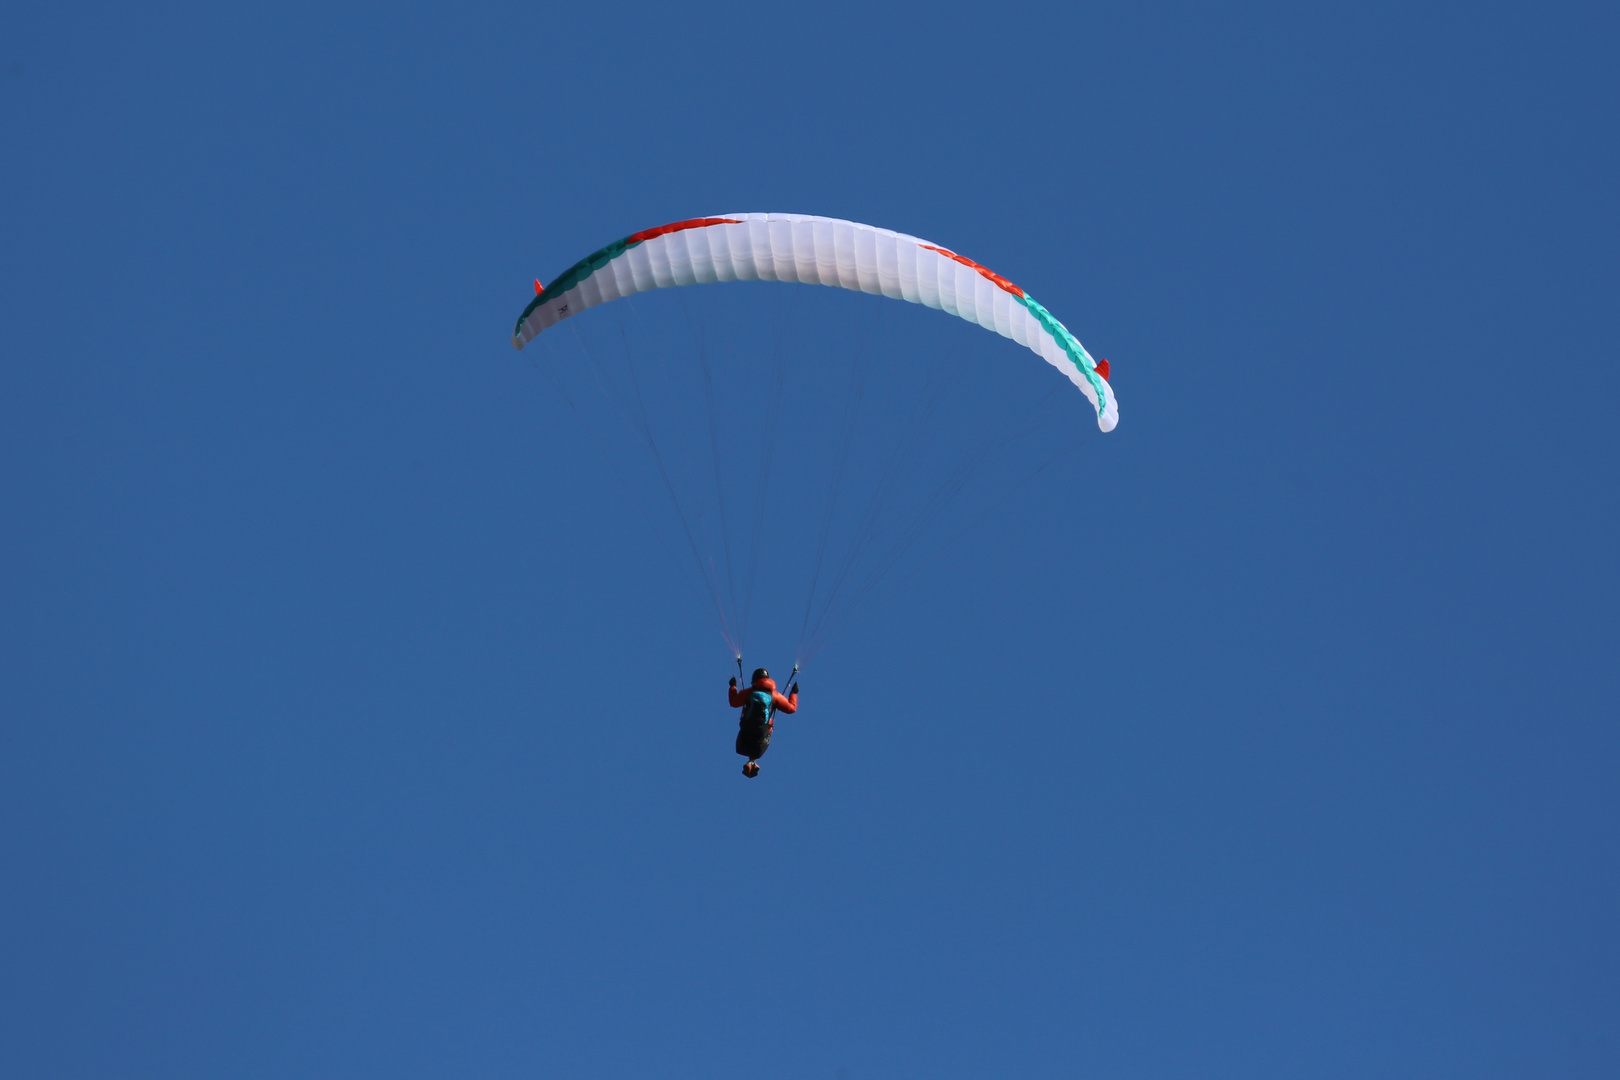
[[758, 708]]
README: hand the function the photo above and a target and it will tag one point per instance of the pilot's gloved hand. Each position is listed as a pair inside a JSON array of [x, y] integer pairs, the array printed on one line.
[[734, 682], [793, 691]]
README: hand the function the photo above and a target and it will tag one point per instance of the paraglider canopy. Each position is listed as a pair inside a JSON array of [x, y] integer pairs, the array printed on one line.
[[819, 251]]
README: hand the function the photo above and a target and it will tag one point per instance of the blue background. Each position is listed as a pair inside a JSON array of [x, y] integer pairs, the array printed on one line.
[[350, 725]]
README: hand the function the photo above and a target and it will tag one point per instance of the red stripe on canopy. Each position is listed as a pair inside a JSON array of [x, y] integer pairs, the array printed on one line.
[[691, 223], [991, 274]]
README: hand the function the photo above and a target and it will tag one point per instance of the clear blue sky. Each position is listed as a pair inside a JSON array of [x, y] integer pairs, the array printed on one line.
[[352, 725]]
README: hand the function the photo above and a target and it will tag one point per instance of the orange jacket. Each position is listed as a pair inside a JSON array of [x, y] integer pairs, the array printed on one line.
[[739, 698]]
